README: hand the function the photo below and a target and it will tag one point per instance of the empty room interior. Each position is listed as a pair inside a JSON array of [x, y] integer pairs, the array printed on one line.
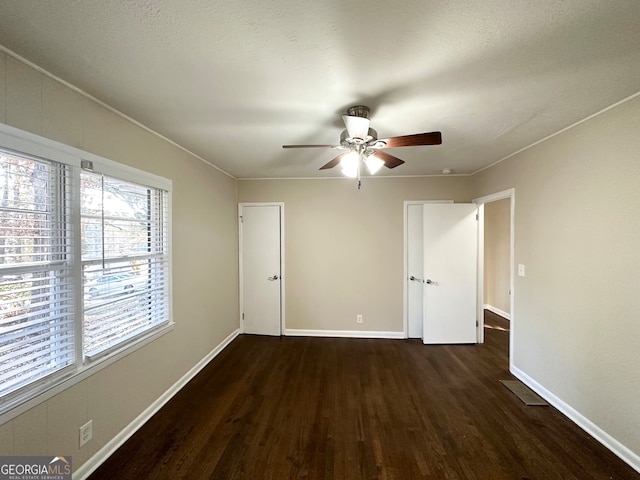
[[456, 204]]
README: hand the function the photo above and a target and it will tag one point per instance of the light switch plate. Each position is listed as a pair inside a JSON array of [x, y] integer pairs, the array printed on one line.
[[520, 270]]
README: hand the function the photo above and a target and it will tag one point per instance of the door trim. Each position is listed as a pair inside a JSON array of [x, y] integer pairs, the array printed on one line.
[[511, 194], [405, 290], [240, 262]]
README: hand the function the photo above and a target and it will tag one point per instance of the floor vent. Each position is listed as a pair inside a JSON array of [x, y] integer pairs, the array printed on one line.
[[524, 393]]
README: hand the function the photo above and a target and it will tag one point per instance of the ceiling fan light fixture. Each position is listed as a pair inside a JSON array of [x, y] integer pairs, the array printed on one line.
[[362, 145], [373, 163], [349, 164], [358, 127]]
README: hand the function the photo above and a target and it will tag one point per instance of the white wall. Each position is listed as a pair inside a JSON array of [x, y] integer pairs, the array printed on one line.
[[204, 266], [576, 324]]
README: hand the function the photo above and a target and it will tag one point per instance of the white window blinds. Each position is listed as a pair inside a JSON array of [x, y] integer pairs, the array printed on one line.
[[125, 262], [36, 277]]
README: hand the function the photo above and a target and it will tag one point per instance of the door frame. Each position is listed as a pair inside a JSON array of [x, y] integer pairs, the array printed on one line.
[[510, 194], [405, 290], [241, 264]]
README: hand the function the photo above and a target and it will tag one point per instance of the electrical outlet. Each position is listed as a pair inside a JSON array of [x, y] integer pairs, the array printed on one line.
[[358, 318], [86, 432]]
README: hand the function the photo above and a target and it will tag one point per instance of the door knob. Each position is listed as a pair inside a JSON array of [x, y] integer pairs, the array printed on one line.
[[414, 279], [273, 279], [428, 281]]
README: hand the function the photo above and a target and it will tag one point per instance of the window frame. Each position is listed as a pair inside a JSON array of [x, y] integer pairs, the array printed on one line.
[[27, 144]]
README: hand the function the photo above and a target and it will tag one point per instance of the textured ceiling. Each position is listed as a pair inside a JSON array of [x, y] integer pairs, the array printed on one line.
[[232, 81]]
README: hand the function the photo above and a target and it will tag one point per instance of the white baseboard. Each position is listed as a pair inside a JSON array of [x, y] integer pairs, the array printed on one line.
[[631, 458], [295, 332], [105, 452], [497, 311]]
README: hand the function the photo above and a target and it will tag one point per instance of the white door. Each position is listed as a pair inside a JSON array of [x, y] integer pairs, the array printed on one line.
[[414, 264], [261, 272], [450, 236]]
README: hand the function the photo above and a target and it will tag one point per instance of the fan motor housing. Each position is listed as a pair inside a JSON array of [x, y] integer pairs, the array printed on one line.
[[358, 111]]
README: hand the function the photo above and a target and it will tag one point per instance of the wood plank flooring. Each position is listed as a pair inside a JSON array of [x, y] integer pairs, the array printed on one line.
[[330, 408]]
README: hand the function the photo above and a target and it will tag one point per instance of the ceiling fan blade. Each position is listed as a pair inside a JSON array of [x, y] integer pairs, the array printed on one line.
[[310, 146], [430, 138], [358, 127], [333, 162], [389, 160]]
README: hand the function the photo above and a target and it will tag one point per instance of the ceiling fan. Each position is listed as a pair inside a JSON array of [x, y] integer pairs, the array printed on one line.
[[362, 143]]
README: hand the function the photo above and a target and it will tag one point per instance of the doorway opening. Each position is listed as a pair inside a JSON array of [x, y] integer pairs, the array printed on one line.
[[496, 264]]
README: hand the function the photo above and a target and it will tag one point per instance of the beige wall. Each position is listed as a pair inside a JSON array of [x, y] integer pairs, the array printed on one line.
[[204, 266], [497, 225], [344, 246], [576, 315]]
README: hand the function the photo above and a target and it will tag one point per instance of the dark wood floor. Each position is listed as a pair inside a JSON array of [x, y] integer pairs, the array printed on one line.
[[320, 408], [496, 322]]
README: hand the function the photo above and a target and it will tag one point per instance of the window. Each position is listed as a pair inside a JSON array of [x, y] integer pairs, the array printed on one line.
[[84, 264], [36, 284], [124, 261]]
